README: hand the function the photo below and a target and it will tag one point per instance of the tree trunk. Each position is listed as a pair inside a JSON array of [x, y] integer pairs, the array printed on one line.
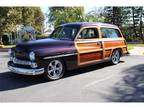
[[134, 27], [141, 25]]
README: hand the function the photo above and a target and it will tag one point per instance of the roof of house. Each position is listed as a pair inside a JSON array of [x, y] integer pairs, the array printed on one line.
[[79, 24]]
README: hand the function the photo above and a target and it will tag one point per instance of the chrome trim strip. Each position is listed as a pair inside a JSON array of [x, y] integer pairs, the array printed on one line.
[[25, 71], [62, 55], [22, 62], [98, 40]]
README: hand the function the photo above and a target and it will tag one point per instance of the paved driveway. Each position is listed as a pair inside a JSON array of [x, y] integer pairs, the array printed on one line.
[[97, 83]]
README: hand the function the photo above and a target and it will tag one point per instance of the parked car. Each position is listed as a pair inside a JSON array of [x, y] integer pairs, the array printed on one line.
[[70, 46]]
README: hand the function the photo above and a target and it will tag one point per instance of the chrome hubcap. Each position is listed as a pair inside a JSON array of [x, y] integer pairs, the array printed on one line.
[[115, 57], [55, 69]]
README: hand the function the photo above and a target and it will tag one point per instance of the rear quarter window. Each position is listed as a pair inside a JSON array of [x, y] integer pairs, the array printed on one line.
[[110, 33]]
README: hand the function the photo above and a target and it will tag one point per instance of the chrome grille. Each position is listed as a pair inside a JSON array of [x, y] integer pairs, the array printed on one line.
[[24, 63], [21, 62], [21, 55]]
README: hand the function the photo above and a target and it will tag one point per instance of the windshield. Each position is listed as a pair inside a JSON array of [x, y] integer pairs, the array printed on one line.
[[64, 33]]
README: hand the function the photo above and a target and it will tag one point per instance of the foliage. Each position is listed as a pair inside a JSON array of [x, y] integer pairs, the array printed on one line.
[[41, 37], [129, 19], [38, 19], [12, 16], [59, 15], [95, 15], [137, 19], [9, 17], [32, 16], [25, 38], [117, 15]]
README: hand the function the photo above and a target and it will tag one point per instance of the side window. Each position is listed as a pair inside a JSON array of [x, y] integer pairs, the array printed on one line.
[[89, 33], [110, 33]]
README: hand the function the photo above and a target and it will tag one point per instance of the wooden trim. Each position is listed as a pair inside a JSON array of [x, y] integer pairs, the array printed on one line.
[[94, 40], [115, 47], [78, 55], [111, 28], [94, 61], [84, 52]]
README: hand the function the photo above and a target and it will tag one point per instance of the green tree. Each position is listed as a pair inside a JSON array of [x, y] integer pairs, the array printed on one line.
[[96, 15], [137, 19], [27, 15], [59, 15], [12, 16], [33, 16], [38, 20], [129, 19], [115, 15], [9, 17]]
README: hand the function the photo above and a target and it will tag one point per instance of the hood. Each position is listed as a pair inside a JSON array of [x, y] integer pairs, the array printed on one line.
[[42, 44], [45, 47]]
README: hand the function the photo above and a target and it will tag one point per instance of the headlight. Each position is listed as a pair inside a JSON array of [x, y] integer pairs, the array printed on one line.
[[32, 56], [9, 51]]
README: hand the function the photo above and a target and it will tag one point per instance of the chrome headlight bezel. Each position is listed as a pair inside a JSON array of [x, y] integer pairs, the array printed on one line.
[[32, 56], [10, 51]]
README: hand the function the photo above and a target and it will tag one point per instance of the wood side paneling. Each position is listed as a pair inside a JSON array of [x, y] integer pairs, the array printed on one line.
[[90, 56]]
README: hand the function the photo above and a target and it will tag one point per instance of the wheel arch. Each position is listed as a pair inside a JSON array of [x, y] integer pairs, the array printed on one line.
[[119, 49]]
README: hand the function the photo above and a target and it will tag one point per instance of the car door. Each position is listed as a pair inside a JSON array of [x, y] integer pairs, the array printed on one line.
[[112, 39], [89, 46]]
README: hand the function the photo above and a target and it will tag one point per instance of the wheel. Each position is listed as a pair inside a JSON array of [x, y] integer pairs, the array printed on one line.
[[54, 70], [115, 58]]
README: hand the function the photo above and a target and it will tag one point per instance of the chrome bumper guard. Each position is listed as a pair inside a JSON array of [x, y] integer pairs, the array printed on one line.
[[25, 71]]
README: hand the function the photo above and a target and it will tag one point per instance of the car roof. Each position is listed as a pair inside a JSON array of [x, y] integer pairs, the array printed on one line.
[[81, 24]]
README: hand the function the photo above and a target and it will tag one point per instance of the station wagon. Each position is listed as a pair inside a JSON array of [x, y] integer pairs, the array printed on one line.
[[70, 46]]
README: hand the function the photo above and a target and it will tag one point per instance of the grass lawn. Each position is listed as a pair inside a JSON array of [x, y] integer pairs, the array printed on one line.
[[131, 46]]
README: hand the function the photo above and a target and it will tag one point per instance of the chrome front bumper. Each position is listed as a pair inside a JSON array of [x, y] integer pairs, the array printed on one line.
[[25, 71]]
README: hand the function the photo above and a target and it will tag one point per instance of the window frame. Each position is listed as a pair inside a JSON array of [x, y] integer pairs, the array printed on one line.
[[120, 34], [62, 27], [82, 28]]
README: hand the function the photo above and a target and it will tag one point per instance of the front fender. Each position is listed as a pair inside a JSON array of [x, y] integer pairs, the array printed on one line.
[[68, 54]]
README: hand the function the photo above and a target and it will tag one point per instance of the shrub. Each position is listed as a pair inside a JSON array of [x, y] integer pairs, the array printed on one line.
[[41, 37]]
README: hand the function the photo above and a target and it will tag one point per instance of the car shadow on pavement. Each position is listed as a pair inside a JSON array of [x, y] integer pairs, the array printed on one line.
[[11, 81], [87, 69], [131, 87]]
